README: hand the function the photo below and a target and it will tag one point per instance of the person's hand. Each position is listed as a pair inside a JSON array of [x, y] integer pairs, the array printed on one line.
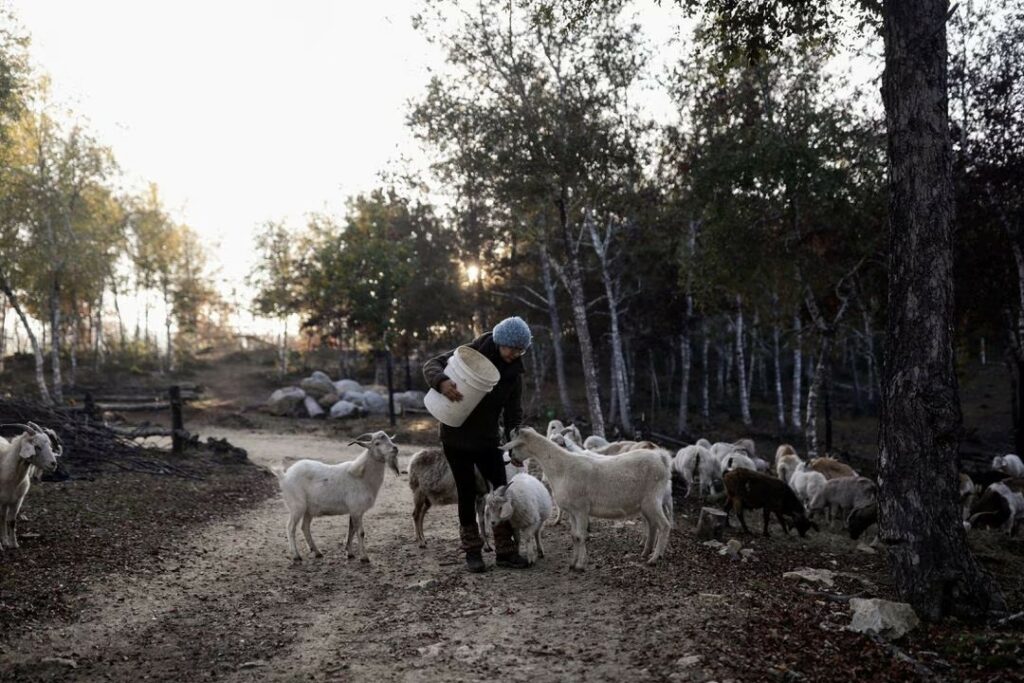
[[450, 392]]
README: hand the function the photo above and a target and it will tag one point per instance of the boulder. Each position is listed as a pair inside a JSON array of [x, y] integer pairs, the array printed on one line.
[[344, 409], [374, 403], [890, 620], [312, 407], [286, 401], [328, 400], [731, 549], [410, 399], [343, 385], [353, 397], [826, 577], [317, 387], [317, 374]]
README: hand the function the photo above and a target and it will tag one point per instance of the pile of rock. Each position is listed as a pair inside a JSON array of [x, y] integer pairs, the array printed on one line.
[[320, 396]]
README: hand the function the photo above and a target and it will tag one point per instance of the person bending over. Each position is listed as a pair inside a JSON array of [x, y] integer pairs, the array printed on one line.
[[476, 442]]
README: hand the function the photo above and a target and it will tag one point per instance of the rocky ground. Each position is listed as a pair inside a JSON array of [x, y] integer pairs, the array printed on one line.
[[132, 576]]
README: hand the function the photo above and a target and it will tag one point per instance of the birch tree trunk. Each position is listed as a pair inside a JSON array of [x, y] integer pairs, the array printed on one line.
[[919, 514], [167, 327], [813, 391], [705, 399], [574, 284], [780, 400], [612, 296], [117, 310], [73, 348], [3, 333], [981, 354], [97, 337], [798, 371], [556, 333], [682, 423], [44, 393], [55, 341], [741, 375]]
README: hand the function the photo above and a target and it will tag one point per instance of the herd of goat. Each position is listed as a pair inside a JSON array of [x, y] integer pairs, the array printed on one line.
[[559, 474]]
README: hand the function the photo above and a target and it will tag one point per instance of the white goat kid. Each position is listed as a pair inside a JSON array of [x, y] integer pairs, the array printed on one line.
[[525, 503], [1009, 464], [33, 448], [637, 482], [315, 489], [695, 462]]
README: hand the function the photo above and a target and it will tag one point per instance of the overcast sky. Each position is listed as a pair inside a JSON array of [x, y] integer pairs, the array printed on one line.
[[240, 111]]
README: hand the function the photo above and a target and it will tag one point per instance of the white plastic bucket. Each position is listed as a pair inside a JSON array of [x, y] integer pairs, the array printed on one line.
[[474, 376]]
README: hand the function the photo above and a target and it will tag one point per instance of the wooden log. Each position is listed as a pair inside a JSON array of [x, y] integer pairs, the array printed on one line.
[[711, 524]]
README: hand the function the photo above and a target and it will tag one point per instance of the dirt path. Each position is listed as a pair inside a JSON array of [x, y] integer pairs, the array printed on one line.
[[231, 606]]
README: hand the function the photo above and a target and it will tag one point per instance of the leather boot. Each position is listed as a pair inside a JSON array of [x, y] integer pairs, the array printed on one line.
[[472, 545], [506, 551]]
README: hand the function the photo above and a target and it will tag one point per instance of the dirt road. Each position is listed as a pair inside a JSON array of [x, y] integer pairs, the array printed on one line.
[[232, 606]]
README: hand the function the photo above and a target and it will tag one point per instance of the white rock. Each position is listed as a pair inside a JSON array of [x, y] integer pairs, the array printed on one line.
[[286, 401], [891, 620], [343, 409], [688, 661], [732, 549], [374, 403], [343, 385], [313, 407], [317, 387], [713, 544], [866, 549], [825, 577]]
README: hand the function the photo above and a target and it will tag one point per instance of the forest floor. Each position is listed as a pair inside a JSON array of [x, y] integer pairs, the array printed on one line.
[[126, 576]]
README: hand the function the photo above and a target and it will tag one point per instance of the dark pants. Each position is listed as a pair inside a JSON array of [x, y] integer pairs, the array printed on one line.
[[464, 462]]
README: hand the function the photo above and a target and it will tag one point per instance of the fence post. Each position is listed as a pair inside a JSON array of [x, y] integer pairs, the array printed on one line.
[[177, 424]]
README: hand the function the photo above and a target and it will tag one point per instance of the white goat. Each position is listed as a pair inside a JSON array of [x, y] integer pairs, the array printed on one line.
[[736, 460], [432, 483], [526, 504], [695, 462], [845, 495], [315, 489], [594, 441], [32, 449], [1009, 465], [806, 483], [786, 464], [637, 482]]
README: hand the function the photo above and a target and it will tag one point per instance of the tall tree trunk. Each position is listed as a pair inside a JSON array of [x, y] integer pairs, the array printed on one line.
[[682, 423], [44, 393], [813, 391], [73, 347], [741, 374], [780, 399], [120, 319], [55, 341], [705, 398], [720, 375], [556, 333], [981, 354], [167, 327], [3, 333], [919, 513], [574, 284], [97, 337], [798, 371], [612, 296]]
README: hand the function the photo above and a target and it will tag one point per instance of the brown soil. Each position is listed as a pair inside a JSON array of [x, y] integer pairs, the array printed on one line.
[[136, 577]]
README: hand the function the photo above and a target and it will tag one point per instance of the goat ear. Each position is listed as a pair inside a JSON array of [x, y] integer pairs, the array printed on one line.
[[358, 469], [28, 449], [506, 509]]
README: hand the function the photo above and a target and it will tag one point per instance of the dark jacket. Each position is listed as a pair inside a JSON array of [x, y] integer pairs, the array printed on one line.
[[481, 430]]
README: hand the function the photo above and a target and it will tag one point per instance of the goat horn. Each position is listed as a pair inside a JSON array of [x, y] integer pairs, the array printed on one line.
[[55, 440], [34, 427]]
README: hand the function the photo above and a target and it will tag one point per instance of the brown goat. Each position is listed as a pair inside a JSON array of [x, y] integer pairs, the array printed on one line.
[[750, 490], [831, 468]]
